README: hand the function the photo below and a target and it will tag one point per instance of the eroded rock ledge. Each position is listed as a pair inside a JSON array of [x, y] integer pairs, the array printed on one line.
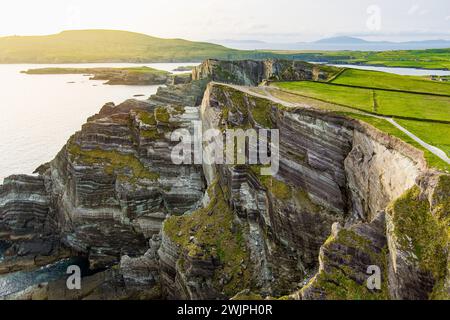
[[346, 197]]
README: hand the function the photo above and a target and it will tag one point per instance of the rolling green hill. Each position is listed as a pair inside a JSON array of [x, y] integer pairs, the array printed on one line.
[[109, 46]]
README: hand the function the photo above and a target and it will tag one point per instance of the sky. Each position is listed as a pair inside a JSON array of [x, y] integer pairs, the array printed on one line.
[[264, 20]]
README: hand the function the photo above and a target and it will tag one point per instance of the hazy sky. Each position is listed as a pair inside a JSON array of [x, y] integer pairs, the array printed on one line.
[[276, 20]]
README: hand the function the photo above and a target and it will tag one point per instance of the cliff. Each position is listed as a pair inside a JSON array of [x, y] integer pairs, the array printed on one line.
[[333, 170], [346, 197]]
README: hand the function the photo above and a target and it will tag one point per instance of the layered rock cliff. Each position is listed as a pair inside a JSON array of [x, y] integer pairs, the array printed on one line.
[[333, 171], [346, 197]]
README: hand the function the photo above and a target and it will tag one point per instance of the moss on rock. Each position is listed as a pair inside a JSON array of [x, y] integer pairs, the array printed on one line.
[[212, 233], [113, 162], [162, 115], [418, 229], [425, 231]]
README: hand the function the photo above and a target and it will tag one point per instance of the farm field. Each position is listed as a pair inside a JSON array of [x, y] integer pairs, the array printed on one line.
[[386, 103], [382, 80]]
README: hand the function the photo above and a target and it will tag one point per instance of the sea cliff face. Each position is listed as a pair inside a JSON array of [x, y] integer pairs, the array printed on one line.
[[346, 197]]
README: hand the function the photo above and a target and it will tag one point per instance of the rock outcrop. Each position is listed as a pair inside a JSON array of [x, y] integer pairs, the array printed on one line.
[[27, 224]]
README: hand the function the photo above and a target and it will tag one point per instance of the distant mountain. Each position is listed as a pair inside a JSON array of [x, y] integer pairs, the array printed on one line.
[[342, 40], [227, 41], [108, 46], [351, 43], [337, 44]]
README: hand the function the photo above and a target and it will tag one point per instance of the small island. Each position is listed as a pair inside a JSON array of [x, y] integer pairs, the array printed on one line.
[[113, 76], [184, 69]]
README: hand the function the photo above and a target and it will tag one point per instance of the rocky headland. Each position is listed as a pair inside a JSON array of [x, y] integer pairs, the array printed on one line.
[[347, 197]]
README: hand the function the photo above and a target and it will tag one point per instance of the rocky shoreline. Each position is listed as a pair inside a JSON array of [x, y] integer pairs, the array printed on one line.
[[341, 202], [133, 76]]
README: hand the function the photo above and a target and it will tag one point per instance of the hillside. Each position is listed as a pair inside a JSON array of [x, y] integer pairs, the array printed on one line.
[[107, 46]]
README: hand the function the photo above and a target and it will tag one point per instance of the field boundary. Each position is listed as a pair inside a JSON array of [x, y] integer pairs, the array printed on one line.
[[334, 77], [375, 88]]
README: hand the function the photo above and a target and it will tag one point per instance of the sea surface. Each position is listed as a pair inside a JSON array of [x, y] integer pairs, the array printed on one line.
[[38, 113]]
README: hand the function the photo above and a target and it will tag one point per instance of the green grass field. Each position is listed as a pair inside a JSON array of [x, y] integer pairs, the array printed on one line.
[[436, 134], [387, 103], [382, 80]]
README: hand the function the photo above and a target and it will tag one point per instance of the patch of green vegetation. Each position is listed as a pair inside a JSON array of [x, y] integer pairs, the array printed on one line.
[[420, 106], [146, 117], [338, 284], [303, 200], [278, 188], [216, 236], [152, 134], [145, 70], [418, 229], [417, 106], [261, 113], [435, 134], [113, 162], [247, 296], [383, 80], [162, 115], [177, 110], [260, 109], [353, 97], [441, 198]]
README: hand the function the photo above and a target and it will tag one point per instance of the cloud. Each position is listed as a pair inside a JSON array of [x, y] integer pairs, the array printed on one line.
[[447, 18], [413, 9]]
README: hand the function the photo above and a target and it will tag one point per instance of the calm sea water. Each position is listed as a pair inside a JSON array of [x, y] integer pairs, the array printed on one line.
[[38, 113]]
